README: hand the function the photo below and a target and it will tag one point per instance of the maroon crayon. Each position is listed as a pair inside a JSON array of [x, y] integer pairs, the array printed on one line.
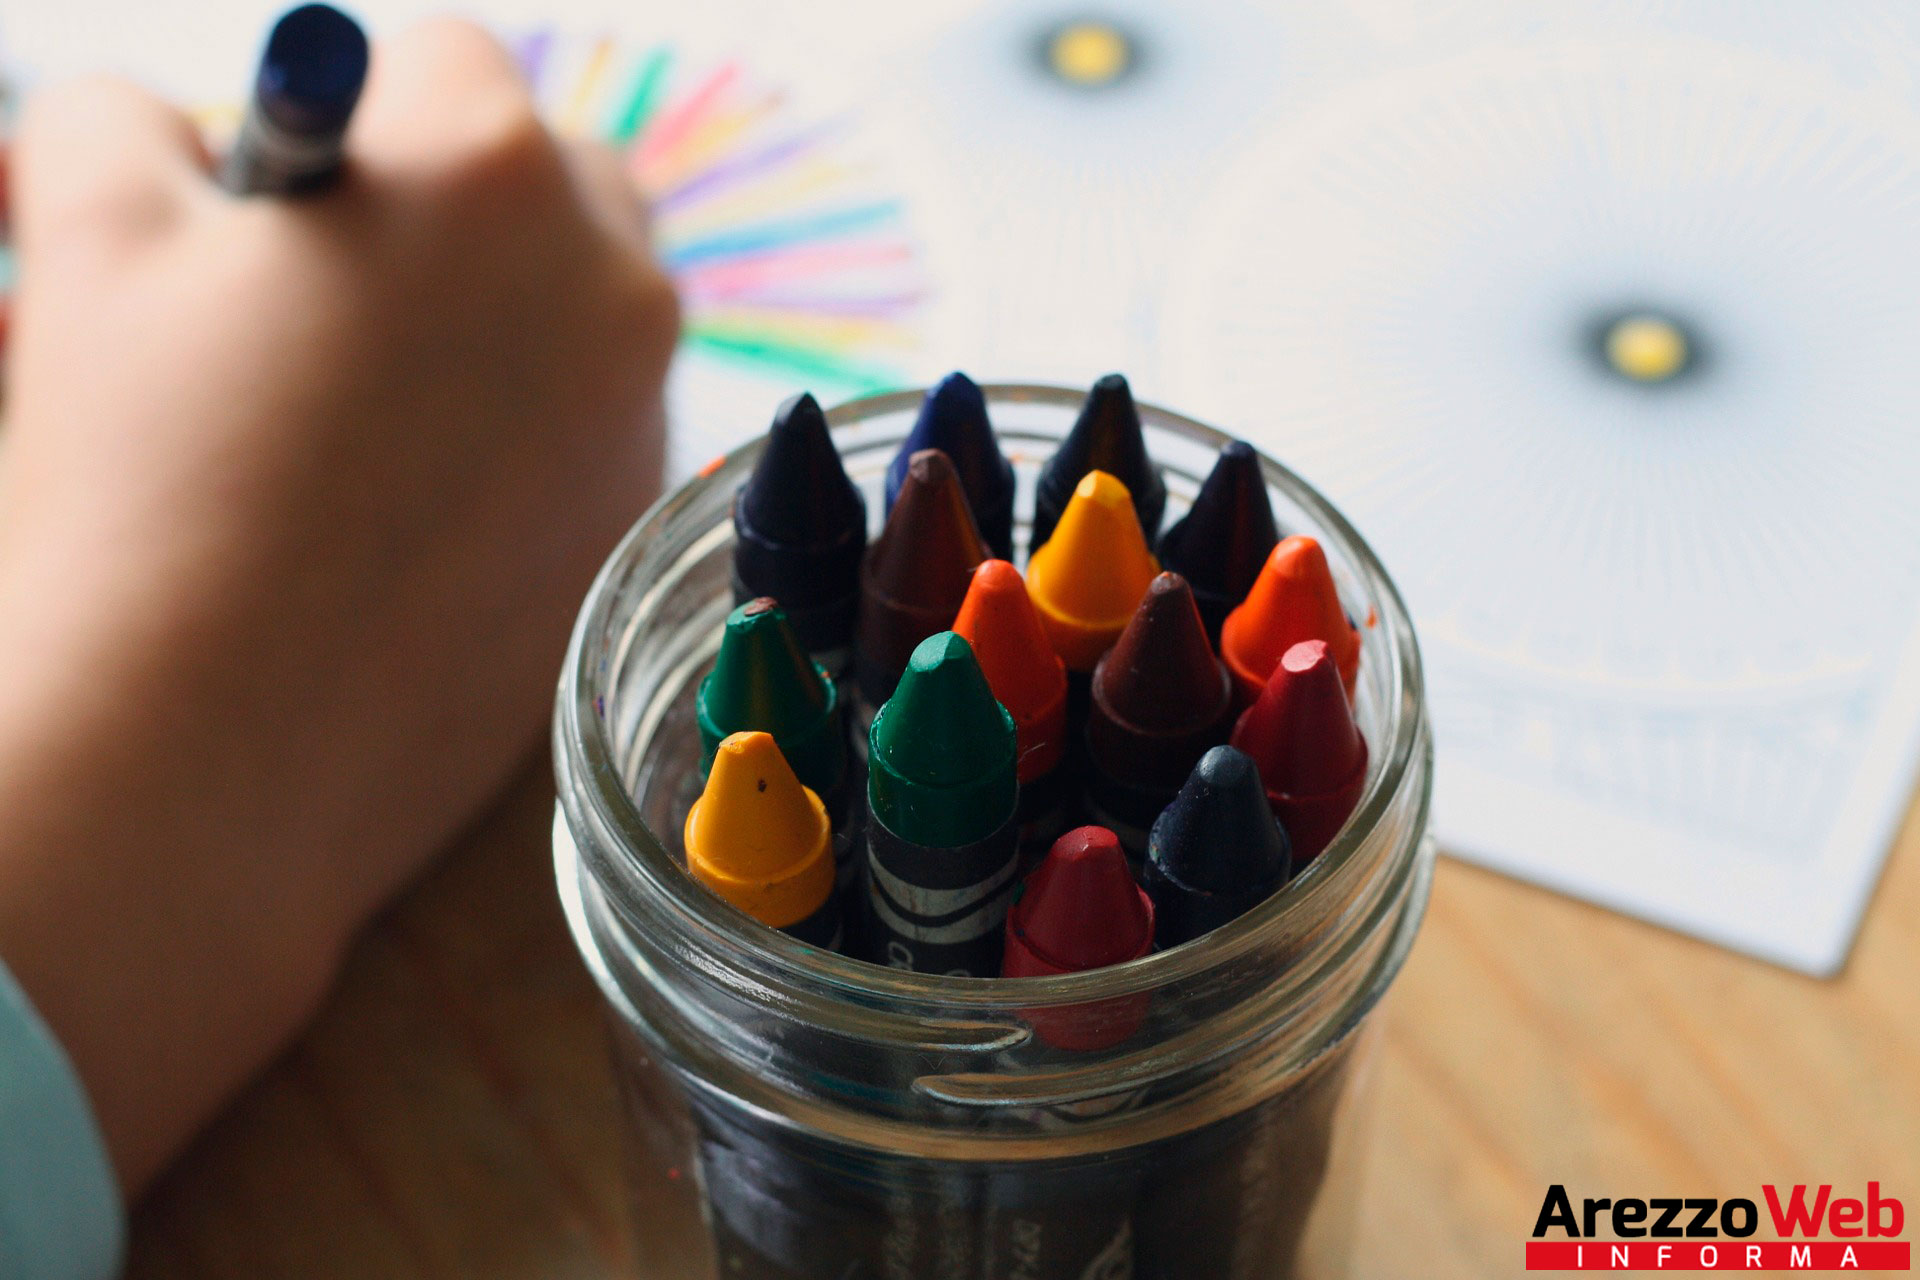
[[1160, 698], [915, 574]]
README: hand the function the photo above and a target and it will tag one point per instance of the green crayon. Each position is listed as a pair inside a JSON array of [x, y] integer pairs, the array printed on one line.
[[941, 839], [763, 680]]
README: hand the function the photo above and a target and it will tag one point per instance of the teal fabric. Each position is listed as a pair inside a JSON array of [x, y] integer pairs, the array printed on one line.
[[60, 1212]]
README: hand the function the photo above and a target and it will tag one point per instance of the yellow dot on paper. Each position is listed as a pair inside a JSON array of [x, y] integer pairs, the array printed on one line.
[[1090, 54], [1646, 348]]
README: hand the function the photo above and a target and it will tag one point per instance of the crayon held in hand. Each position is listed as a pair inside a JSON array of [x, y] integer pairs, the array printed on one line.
[[760, 840], [941, 837], [953, 419], [1301, 735], [309, 81], [1088, 578], [800, 528], [1224, 538], [1293, 599], [1216, 853], [1160, 699], [915, 575], [1106, 437]]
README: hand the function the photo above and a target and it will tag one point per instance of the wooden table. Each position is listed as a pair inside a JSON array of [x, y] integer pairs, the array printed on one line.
[[450, 1114]]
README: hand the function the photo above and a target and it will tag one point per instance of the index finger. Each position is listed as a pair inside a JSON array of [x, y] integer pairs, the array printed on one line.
[[101, 150]]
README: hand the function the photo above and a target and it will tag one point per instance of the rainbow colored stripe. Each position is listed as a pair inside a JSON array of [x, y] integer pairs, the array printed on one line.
[[785, 256]]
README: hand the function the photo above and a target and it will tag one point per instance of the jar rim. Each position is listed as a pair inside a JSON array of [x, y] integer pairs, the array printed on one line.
[[640, 876]]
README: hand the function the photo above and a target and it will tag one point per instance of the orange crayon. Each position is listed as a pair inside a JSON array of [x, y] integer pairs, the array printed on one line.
[[999, 621], [760, 840], [1293, 599], [1088, 578]]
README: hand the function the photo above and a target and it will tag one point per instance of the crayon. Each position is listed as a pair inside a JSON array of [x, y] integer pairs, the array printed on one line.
[[942, 849], [1159, 700], [1030, 681], [761, 841], [1105, 437], [1293, 599], [1216, 853], [1234, 1200], [800, 528], [773, 1211], [1078, 910], [1069, 1218], [762, 679], [1089, 577], [1226, 535], [953, 419], [786, 1203], [1302, 737], [309, 81], [915, 575]]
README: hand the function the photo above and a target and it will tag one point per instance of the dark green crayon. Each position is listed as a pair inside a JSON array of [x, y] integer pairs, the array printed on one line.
[[941, 838]]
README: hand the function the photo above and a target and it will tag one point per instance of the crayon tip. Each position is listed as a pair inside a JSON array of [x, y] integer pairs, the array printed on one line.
[[1023, 671], [1226, 535], [1217, 851], [1088, 578], [916, 573], [1301, 735], [1107, 436], [941, 757], [799, 494], [757, 838], [953, 419], [312, 70], [763, 679], [1161, 672], [1293, 599], [1079, 909]]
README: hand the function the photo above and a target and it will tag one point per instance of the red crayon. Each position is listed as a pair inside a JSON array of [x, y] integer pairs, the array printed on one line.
[[1302, 737], [1293, 599], [1080, 909]]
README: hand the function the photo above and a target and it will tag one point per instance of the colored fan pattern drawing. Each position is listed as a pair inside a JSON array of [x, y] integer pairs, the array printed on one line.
[[791, 256]]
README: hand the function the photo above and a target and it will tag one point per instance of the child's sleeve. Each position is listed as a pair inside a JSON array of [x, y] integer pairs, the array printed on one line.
[[60, 1213]]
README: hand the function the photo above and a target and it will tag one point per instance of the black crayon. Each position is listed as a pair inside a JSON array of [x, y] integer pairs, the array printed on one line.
[[800, 528], [1107, 437], [1225, 537]]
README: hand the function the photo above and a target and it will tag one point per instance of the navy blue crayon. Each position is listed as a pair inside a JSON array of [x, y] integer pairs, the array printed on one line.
[[953, 419], [310, 77], [1216, 853]]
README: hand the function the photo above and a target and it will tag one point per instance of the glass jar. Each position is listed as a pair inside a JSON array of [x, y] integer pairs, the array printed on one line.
[[803, 1116]]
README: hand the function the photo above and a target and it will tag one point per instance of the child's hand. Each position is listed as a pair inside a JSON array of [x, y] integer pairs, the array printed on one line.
[[297, 500]]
